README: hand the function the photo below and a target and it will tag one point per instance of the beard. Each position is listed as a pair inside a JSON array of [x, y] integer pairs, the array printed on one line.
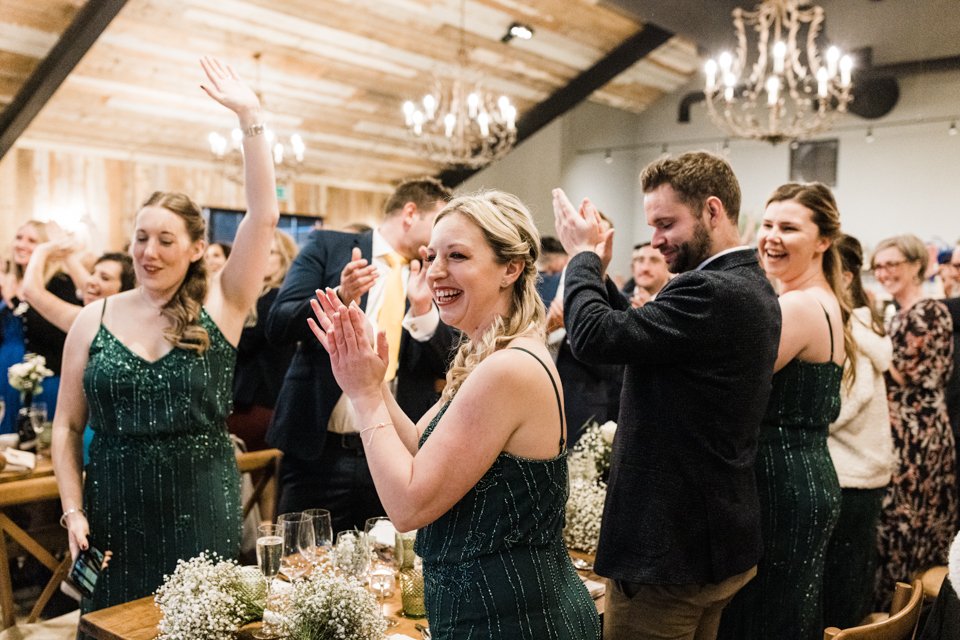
[[691, 253]]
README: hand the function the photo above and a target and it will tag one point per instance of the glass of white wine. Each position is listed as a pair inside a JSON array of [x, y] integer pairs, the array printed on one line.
[[269, 551], [381, 538]]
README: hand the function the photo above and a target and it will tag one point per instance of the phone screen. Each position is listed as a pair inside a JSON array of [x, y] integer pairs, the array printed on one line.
[[86, 570]]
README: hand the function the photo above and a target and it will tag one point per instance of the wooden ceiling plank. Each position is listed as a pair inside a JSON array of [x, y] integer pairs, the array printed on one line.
[[83, 31]]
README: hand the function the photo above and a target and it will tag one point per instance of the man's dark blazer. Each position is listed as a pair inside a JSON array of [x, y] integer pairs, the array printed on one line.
[[682, 504], [310, 390]]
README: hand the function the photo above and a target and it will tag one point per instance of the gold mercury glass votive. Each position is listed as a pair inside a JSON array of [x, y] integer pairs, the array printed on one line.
[[411, 591]]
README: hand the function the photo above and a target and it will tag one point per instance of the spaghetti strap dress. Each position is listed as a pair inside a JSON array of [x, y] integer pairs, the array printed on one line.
[[495, 565], [162, 482], [799, 506]]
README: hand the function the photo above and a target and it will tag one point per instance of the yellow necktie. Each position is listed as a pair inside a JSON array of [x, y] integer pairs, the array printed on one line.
[[394, 305]]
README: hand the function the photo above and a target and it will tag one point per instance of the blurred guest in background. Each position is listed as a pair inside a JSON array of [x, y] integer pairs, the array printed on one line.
[[861, 447], [22, 328], [919, 515], [650, 273], [260, 365], [216, 256]]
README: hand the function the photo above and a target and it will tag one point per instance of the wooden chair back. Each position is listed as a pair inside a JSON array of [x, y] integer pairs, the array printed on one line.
[[901, 625]]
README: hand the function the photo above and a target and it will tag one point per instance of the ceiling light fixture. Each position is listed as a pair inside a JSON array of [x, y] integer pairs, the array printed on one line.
[[518, 31], [459, 124], [788, 89]]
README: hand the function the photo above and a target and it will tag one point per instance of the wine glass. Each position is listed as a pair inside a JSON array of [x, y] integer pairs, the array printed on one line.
[[351, 554], [381, 537], [269, 550], [297, 533], [382, 578], [322, 533]]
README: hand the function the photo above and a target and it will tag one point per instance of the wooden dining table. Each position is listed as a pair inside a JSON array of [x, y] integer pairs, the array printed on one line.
[[138, 620]]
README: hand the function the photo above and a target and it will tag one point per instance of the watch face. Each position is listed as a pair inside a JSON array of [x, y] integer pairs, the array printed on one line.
[[86, 570]]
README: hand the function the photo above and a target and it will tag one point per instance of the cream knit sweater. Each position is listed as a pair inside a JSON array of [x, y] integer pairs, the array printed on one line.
[[860, 441]]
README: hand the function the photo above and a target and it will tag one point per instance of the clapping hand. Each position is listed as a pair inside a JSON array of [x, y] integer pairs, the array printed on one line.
[[419, 292], [581, 230], [343, 332], [356, 278], [226, 87]]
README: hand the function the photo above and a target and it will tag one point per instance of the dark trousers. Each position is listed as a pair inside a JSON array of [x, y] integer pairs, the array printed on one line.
[[339, 481], [851, 562]]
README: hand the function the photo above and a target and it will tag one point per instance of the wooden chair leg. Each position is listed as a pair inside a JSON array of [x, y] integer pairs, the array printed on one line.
[[6, 584], [50, 589]]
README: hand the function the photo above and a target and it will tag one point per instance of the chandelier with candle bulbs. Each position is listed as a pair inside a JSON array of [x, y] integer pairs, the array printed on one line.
[[778, 86], [288, 152], [460, 124]]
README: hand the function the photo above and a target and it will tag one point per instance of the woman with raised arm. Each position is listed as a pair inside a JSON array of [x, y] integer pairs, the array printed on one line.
[[796, 479], [152, 370], [22, 329], [112, 273], [483, 475]]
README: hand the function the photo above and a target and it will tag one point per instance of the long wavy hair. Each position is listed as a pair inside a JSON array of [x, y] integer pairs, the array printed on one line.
[[818, 198], [43, 235], [183, 309], [851, 257], [509, 231]]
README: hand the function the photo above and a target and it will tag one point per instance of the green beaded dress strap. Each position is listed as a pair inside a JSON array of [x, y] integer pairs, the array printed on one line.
[[829, 326], [556, 391]]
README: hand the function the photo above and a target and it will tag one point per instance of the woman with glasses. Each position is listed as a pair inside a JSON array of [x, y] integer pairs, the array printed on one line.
[[919, 515]]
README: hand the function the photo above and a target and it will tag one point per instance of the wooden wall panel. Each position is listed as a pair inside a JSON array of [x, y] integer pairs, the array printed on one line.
[[98, 196]]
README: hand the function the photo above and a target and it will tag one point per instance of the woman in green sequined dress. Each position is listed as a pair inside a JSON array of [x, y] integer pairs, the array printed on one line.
[[797, 482], [483, 476], [152, 369]]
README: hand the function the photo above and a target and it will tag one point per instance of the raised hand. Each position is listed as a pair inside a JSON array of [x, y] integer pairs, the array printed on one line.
[[356, 278], [581, 230], [419, 292], [226, 87]]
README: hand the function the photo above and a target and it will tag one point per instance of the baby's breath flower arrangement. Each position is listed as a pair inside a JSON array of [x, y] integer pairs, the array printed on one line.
[[27, 377], [328, 606], [351, 554], [589, 466], [208, 597]]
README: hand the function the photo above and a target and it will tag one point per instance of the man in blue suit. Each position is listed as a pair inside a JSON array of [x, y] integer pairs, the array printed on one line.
[[681, 525], [323, 464]]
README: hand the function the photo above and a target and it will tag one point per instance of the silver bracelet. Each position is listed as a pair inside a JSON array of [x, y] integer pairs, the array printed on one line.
[[254, 130], [63, 518]]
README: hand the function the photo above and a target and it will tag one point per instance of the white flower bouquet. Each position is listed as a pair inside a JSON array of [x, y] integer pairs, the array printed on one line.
[[584, 512], [208, 597], [329, 606], [27, 377], [589, 465]]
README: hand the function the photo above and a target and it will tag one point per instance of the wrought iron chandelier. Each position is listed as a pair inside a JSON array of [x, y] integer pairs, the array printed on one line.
[[790, 90], [459, 124], [288, 152]]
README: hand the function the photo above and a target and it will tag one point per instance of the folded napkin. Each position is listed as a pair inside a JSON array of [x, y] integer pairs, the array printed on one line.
[[399, 636], [594, 588], [19, 460]]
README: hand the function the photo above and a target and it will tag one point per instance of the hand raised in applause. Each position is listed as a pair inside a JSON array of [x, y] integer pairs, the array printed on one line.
[[419, 292], [226, 87], [356, 278], [581, 230], [344, 333]]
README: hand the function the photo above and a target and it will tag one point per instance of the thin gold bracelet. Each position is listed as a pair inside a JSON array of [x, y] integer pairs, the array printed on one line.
[[68, 512], [379, 425]]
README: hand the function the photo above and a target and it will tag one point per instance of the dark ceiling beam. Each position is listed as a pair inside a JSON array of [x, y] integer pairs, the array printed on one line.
[[87, 25], [634, 48]]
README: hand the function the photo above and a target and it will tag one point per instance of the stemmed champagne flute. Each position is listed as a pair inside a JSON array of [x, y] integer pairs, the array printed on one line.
[[297, 533], [322, 534], [269, 550], [381, 534]]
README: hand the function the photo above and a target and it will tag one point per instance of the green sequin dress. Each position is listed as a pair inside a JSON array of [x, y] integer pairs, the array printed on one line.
[[799, 507], [495, 565], [162, 483]]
